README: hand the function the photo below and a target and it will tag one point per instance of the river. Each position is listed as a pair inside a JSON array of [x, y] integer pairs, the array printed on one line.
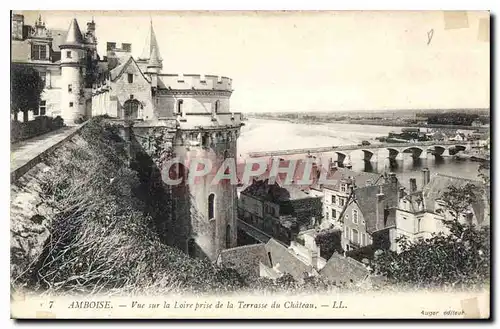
[[267, 135]]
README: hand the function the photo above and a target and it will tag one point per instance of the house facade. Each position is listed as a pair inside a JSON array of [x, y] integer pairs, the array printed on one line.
[[358, 205], [421, 214], [279, 211]]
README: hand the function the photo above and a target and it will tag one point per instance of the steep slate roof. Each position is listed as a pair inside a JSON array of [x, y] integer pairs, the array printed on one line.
[[286, 261], [440, 183], [275, 193], [361, 178], [58, 38], [118, 71], [21, 50], [415, 200], [245, 259], [150, 44], [74, 35], [344, 269], [365, 198]]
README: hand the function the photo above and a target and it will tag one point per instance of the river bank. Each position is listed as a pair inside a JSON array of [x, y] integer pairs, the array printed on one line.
[[387, 123]]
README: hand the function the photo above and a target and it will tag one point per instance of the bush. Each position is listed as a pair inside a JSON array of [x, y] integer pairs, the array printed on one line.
[[461, 259], [40, 125], [329, 241], [80, 119]]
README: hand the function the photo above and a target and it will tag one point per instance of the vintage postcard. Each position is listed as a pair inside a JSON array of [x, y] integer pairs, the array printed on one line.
[[250, 164]]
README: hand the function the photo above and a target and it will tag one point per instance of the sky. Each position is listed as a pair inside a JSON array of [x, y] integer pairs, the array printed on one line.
[[314, 61]]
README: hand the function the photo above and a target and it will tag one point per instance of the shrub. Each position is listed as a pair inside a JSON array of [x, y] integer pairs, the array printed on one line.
[[329, 241], [461, 259]]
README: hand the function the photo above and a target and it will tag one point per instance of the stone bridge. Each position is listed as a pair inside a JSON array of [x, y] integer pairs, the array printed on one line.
[[396, 150]]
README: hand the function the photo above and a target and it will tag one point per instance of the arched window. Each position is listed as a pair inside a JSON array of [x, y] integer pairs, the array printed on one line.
[[131, 109], [228, 236], [211, 206], [217, 106], [355, 236], [180, 103], [191, 247]]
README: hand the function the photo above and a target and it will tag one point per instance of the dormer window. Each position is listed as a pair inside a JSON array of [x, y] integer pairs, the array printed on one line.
[[343, 187], [68, 54], [38, 52], [130, 78]]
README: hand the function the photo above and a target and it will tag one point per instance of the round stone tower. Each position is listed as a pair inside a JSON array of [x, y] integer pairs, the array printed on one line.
[[205, 214], [72, 75]]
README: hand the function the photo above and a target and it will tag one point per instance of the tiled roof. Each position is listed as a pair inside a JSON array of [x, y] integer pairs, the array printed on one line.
[[74, 35], [274, 192], [21, 51], [361, 178], [344, 269], [415, 200], [440, 183], [285, 261], [58, 38], [366, 199], [151, 44], [117, 71], [245, 259]]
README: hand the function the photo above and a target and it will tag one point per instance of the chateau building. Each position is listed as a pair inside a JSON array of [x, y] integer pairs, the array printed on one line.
[[188, 115], [65, 60]]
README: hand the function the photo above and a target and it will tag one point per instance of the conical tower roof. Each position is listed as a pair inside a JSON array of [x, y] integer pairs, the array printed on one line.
[[150, 44], [74, 36], [154, 60]]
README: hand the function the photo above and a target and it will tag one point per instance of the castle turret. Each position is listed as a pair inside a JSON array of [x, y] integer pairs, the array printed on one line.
[[73, 57], [149, 45]]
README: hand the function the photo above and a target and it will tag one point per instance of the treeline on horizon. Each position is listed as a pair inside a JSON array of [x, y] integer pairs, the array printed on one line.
[[440, 118]]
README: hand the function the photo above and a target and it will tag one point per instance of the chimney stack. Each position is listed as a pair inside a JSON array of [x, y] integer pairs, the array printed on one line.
[[314, 259], [426, 176], [380, 209], [392, 178], [413, 185], [402, 192]]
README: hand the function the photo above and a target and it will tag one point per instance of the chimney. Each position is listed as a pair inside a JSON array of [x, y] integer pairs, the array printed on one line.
[[413, 185], [392, 178], [426, 176], [380, 209], [402, 192], [314, 259], [351, 188]]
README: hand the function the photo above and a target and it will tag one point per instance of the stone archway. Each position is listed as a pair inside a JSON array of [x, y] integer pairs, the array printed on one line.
[[131, 109]]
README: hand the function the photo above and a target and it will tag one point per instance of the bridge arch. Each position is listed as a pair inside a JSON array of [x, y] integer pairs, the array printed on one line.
[[454, 149], [393, 152], [416, 151], [437, 150], [341, 156], [367, 154]]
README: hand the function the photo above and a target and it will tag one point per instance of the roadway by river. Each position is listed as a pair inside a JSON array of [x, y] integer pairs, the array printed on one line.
[[267, 135]]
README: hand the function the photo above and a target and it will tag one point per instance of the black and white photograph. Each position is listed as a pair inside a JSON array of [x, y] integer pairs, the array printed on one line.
[[250, 164]]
